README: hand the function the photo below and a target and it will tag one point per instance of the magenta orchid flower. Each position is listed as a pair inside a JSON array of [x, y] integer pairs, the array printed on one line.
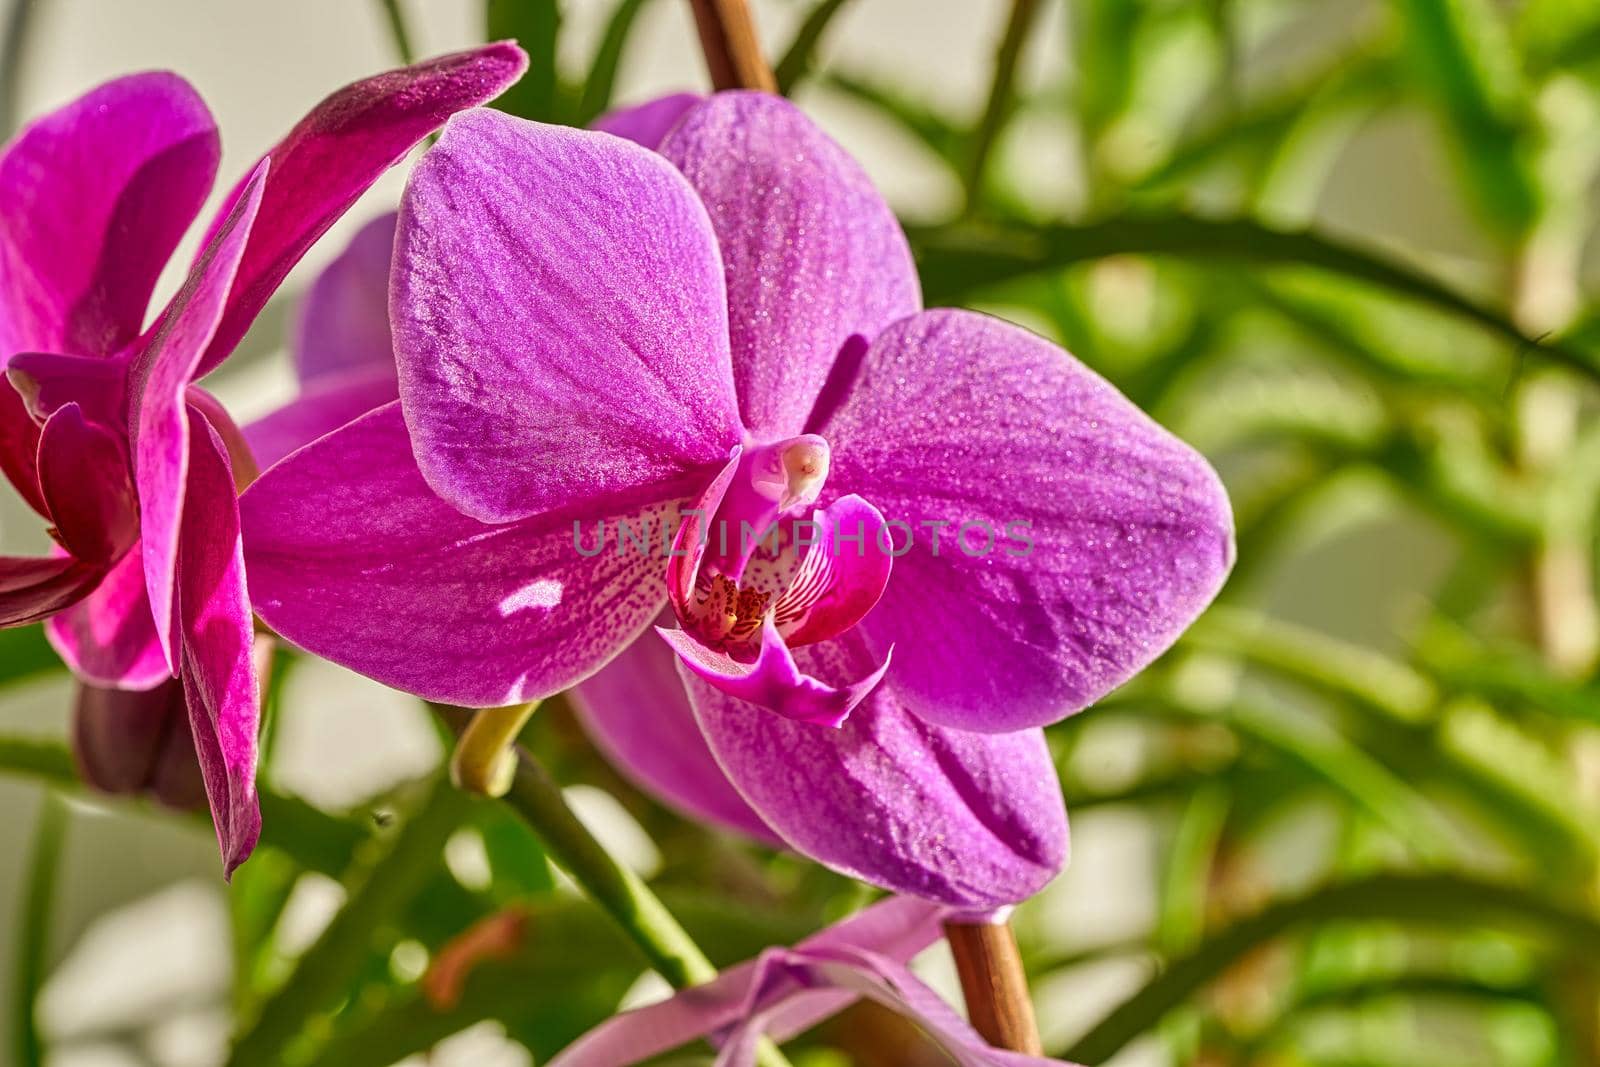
[[786, 991], [102, 429], [595, 337]]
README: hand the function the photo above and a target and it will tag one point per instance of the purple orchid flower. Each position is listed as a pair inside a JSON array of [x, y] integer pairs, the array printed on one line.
[[102, 429], [729, 332], [785, 992]]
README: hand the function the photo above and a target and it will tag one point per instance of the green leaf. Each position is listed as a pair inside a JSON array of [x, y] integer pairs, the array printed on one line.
[[956, 262], [25, 654], [1463, 52], [323, 974], [602, 79], [37, 907], [1438, 900], [943, 137], [796, 61], [535, 25]]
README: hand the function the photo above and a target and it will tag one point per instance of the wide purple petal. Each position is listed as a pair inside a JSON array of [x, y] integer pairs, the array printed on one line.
[[337, 151], [83, 471], [648, 123], [813, 254], [1079, 537], [559, 319], [218, 633], [109, 637], [330, 402], [343, 327], [35, 589], [970, 820], [93, 199], [354, 558], [158, 422], [636, 712]]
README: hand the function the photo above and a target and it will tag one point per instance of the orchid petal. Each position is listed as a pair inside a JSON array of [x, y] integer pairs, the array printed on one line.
[[773, 681], [83, 472], [343, 327], [46, 381], [219, 678], [354, 558], [158, 423], [813, 254], [1081, 538], [336, 152], [969, 820], [833, 589], [93, 199], [646, 124], [35, 589], [559, 319], [128, 742], [330, 402], [636, 712], [896, 928], [19, 447], [109, 638]]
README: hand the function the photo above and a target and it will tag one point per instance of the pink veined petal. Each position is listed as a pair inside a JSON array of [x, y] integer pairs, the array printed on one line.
[[898, 928], [19, 448], [773, 682], [158, 423], [109, 638], [46, 381], [130, 742], [218, 632], [648, 123], [35, 589], [559, 319], [330, 402], [1080, 538], [343, 328], [969, 820], [337, 151], [635, 710], [841, 576], [354, 558], [83, 471], [93, 199], [812, 252]]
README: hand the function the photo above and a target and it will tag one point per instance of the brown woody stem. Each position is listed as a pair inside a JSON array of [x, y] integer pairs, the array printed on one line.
[[994, 984], [732, 50]]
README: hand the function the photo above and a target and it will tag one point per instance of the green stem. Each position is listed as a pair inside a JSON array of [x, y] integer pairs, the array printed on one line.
[[623, 895], [33, 929], [399, 34], [1002, 90]]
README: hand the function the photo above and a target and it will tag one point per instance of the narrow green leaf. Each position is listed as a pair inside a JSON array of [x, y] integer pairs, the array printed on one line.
[[34, 920], [1453, 902], [25, 654], [323, 973], [998, 107], [797, 59], [957, 262], [936, 132], [602, 79], [399, 33], [535, 25]]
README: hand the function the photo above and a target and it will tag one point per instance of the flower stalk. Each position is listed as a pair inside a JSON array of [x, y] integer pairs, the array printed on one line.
[[485, 760], [732, 49], [994, 984]]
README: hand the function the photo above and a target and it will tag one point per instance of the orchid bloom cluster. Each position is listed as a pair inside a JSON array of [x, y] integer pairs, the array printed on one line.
[[652, 413]]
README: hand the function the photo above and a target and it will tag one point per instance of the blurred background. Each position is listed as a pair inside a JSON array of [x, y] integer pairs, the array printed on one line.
[[1342, 246]]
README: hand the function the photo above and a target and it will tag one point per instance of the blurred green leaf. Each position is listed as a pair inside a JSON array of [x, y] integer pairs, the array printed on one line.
[[955, 263], [1437, 900], [535, 25], [801, 53], [943, 137], [602, 79], [35, 916], [25, 654]]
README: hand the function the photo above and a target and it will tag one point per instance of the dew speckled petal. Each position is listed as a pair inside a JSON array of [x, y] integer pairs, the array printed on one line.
[[646, 124], [335, 154], [964, 819], [354, 558], [637, 713], [559, 319], [1094, 536], [813, 254]]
